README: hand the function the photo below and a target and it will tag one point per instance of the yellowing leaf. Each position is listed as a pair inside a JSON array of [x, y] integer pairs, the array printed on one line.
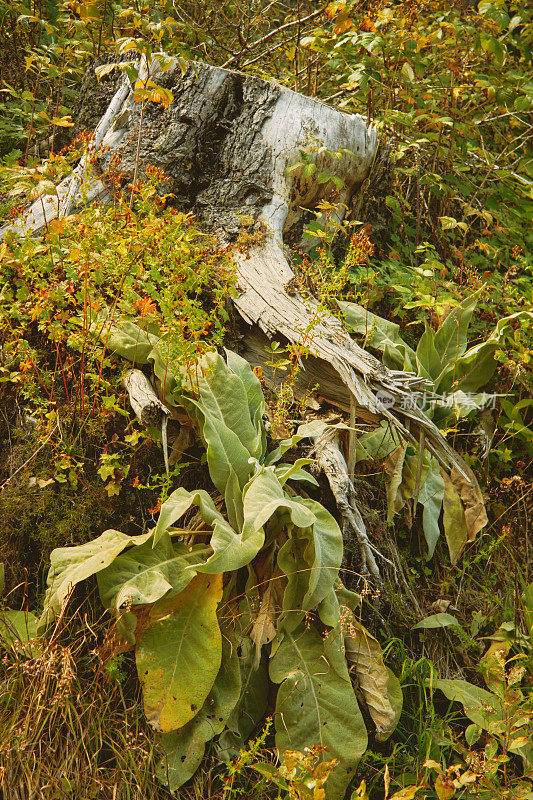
[[178, 657], [62, 122], [343, 24], [43, 188], [407, 793], [264, 629], [407, 72], [103, 70], [454, 520], [444, 788], [184, 749]]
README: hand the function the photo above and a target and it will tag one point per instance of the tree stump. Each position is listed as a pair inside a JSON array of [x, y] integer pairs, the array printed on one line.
[[229, 144]]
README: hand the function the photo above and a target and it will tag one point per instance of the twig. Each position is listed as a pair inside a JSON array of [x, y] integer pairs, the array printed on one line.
[[269, 35]]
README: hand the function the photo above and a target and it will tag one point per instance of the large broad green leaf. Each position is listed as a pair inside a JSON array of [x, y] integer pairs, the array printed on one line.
[[375, 681], [292, 561], [145, 574], [482, 707], [476, 366], [428, 360], [316, 706], [179, 656], [381, 334], [254, 392], [184, 749], [221, 408], [264, 496], [70, 565], [233, 500], [323, 554], [307, 431], [430, 496], [450, 339], [329, 612], [295, 472], [230, 549], [178, 503], [127, 339], [19, 627], [310, 558], [252, 703]]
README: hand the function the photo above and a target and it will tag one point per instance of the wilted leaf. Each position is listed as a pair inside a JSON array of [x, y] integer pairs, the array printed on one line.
[[264, 628], [401, 470], [179, 656], [444, 787], [473, 503], [184, 749], [315, 706], [364, 651]]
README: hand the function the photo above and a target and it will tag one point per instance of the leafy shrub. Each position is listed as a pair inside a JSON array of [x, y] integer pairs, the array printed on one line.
[[202, 608]]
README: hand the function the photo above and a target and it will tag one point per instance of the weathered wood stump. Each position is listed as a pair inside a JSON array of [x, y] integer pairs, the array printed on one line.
[[227, 143]]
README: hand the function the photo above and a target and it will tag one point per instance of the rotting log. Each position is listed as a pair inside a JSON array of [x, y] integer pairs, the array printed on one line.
[[227, 144]]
